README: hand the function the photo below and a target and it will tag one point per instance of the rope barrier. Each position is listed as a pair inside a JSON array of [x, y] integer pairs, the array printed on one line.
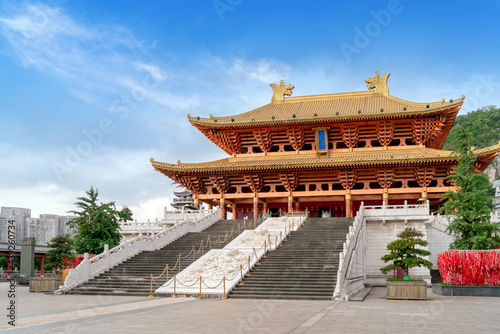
[[213, 287], [153, 278], [256, 255]]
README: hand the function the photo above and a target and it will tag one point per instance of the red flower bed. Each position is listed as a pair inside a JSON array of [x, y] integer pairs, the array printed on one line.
[[470, 267], [74, 263]]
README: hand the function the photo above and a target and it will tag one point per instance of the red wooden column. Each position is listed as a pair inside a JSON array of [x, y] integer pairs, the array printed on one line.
[[266, 208], [41, 265], [255, 207], [348, 179], [9, 265], [297, 206], [235, 211], [290, 204], [210, 207], [196, 201], [424, 176], [385, 197], [223, 208], [424, 194], [348, 208]]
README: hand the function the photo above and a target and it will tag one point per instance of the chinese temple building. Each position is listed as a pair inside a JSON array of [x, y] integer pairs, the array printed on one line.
[[182, 198], [325, 154]]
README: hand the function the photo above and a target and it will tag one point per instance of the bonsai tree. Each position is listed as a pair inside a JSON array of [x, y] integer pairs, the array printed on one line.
[[62, 248], [403, 252]]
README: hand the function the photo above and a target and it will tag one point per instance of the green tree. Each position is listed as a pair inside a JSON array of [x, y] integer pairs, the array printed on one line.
[[62, 248], [483, 125], [470, 206], [4, 263], [97, 224], [403, 252]]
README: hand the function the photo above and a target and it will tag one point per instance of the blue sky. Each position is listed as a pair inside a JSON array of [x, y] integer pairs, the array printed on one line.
[[90, 90]]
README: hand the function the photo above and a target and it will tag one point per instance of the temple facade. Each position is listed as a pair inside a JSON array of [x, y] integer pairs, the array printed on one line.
[[325, 154]]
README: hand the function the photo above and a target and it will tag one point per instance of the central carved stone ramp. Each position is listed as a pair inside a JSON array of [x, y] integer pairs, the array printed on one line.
[[132, 277], [304, 267]]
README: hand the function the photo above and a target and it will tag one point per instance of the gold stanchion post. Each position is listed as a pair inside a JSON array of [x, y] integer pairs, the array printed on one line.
[[249, 267], [194, 252], [256, 255]]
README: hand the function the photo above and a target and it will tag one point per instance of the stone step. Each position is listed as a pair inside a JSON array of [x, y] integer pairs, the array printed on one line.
[[304, 267]]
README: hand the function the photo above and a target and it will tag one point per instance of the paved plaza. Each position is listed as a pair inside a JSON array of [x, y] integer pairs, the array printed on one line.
[[47, 313]]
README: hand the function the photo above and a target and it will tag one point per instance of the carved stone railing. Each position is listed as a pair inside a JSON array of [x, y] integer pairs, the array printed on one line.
[[398, 210], [351, 274], [133, 229], [89, 268]]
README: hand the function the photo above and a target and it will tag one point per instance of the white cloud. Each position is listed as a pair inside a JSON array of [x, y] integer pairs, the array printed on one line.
[[96, 59], [263, 70]]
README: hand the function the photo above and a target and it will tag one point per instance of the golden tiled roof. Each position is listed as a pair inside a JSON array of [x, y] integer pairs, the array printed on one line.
[[334, 160], [340, 107]]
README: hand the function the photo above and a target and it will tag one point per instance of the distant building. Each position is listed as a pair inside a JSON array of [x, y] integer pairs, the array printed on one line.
[[496, 199], [43, 229], [182, 198], [17, 214]]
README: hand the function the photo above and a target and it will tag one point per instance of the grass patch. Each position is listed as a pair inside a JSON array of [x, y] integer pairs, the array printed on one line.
[[402, 280]]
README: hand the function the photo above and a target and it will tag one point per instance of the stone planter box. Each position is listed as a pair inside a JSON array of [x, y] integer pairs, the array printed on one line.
[[461, 290], [406, 290], [45, 284]]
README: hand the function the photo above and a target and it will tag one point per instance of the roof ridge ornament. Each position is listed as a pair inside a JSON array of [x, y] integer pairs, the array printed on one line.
[[379, 83], [279, 92]]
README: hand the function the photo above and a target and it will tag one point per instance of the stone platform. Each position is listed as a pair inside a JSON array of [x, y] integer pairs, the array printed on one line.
[[42, 313]]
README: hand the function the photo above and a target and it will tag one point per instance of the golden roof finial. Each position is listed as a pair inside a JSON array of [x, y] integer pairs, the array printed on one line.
[[379, 83], [279, 92]]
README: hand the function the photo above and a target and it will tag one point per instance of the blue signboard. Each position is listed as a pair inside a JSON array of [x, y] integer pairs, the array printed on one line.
[[321, 140]]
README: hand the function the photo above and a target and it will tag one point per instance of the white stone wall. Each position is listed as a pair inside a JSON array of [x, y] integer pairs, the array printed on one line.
[[378, 235], [439, 241]]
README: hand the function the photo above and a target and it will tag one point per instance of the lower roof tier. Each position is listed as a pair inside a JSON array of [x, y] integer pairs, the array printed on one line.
[[332, 161]]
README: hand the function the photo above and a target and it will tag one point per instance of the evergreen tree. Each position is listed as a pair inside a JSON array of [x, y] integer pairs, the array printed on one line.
[[470, 206], [61, 248], [97, 224], [483, 125], [403, 252]]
